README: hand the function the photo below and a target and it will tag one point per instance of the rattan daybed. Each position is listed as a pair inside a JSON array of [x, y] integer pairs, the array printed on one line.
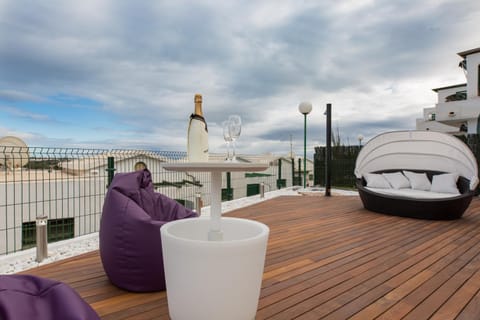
[[428, 152]]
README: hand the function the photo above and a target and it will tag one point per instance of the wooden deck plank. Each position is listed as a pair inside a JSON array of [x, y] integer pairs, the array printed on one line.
[[472, 309], [300, 303], [404, 282], [361, 254], [436, 277], [328, 258], [459, 299], [360, 280], [445, 283]]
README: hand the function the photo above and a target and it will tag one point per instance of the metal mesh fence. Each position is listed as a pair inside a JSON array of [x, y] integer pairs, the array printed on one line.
[[68, 185], [342, 166], [344, 158]]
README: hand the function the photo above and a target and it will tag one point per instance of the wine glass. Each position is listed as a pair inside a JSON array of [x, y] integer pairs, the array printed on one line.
[[227, 137], [235, 128]]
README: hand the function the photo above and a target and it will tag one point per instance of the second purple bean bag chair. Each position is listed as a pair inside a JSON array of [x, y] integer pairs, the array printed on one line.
[[130, 244], [31, 297]]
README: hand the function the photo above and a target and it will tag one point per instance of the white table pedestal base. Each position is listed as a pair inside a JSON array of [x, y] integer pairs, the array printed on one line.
[[215, 233]]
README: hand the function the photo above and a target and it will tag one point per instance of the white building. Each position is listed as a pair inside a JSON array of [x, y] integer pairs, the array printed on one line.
[[457, 110]]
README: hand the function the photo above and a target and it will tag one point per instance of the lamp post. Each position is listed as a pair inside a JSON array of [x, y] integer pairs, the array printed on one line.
[[305, 108], [360, 138]]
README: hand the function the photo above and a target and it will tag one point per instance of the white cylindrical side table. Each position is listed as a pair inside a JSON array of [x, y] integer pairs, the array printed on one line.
[[214, 267], [213, 280]]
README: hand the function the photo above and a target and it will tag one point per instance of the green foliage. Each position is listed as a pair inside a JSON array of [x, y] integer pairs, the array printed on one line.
[[256, 174], [176, 184], [43, 164]]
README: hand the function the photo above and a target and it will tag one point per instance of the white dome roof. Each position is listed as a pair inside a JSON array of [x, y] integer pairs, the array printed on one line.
[[13, 152]]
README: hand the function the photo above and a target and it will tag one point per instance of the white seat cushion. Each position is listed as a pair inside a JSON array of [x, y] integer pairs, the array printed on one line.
[[418, 181], [397, 180], [446, 183], [375, 180], [414, 194]]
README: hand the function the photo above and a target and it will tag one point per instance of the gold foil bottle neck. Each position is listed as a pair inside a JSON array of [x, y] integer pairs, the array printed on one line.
[[198, 104]]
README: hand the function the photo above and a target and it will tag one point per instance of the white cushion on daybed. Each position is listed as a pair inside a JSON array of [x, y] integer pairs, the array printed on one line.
[[375, 180], [397, 180], [411, 193], [418, 181], [446, 183]]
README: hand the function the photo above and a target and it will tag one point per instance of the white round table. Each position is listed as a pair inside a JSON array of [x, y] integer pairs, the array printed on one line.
[[215, 169]]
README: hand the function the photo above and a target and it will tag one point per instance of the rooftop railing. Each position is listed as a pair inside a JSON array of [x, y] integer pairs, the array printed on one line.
[[68, 186]]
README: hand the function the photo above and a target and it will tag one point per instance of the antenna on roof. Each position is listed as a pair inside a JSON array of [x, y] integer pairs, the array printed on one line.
[[291, 146]]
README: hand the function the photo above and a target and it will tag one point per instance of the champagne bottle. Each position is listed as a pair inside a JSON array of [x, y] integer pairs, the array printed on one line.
[[197, 143]]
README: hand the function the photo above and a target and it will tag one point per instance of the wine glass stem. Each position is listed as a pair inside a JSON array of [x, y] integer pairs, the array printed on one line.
[[234, 155], [228, 150]]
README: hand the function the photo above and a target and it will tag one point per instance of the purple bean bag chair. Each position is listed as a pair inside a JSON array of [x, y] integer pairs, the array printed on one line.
[[30, 297], [130, 244]]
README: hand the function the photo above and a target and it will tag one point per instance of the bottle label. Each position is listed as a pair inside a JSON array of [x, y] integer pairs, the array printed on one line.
[[197, 149], [198, 117]]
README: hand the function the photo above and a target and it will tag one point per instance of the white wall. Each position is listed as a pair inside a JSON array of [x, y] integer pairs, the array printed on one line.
[[421, 124], [78, 198], [463, 110], [473, 61], [444, 93]]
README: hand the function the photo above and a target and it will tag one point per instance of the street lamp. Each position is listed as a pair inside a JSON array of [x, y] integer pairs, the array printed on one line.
[[305, 108], [360, 138]]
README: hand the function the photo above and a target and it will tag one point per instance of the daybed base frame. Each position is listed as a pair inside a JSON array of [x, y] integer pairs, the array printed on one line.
[[433, 209]]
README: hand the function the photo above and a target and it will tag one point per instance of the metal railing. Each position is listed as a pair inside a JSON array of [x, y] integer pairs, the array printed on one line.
[[68, 186], [344, 158]]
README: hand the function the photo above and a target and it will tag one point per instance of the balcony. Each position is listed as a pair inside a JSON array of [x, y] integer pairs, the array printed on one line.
[[457, 112], [457, 96]]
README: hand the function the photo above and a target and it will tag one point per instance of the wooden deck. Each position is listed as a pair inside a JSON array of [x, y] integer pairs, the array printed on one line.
[[328, 258]]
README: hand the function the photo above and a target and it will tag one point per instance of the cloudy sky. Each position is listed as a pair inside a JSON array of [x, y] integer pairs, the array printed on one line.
[[122, 74]]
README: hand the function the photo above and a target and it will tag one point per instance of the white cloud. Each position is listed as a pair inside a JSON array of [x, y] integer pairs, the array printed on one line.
[[24, 114], [142, 62], [15, 95]]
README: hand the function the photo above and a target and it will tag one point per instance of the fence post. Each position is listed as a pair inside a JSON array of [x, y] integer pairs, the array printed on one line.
[[279, 180], [299, 178], [229, 186], [262, 190], [198, 203], [42, 239], [328, 158], [110, 169], [293, 172]]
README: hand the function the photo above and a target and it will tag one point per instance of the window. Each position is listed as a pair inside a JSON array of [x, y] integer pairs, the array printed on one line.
[[281, 183], [227, 194], [28, 235], [57, 229], [60, 229], [253, 189]]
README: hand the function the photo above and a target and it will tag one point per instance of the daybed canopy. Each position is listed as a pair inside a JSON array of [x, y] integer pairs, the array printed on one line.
[[417, 150]]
